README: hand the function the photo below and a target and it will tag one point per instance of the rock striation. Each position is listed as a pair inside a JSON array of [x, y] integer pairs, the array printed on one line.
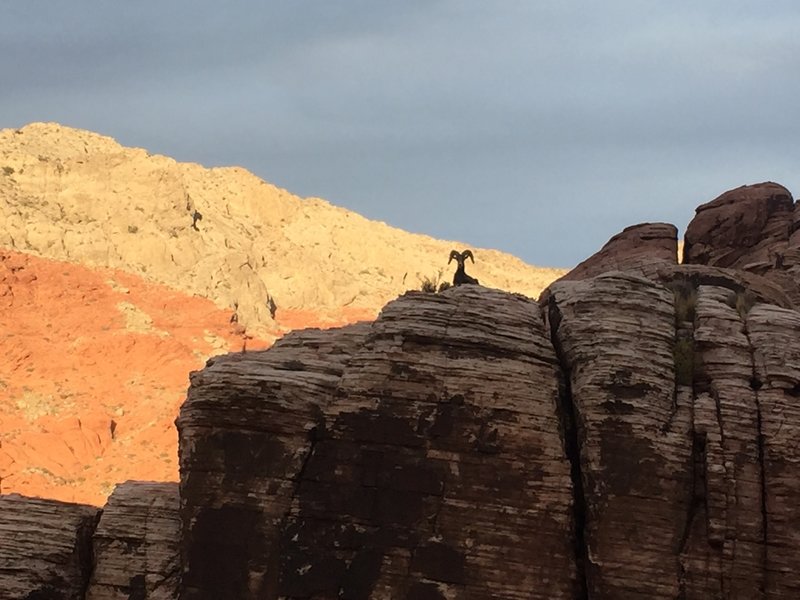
[[631, 435], [136, 544], [753, 228], [406, 459], [45, 548]]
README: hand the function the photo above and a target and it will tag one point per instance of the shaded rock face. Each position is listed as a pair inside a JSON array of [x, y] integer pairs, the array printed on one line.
[[753, 228], [45, 548], [642, 247], [632, 427], [417, 457], [625, 439], [136, 544], [628, 440], [52, 550]]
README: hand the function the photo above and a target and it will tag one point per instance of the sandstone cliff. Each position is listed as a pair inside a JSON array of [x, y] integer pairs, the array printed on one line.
[[631, 435], [77, 196]]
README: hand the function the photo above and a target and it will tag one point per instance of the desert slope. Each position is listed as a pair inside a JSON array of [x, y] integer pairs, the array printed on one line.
[[95, 363], [77, 196], [94, 368]]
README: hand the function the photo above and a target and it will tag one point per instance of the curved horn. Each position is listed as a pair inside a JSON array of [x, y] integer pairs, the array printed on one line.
[[468, 254], [454, 254]]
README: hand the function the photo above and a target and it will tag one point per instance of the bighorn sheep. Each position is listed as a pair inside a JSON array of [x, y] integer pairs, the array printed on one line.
[[461, 276]]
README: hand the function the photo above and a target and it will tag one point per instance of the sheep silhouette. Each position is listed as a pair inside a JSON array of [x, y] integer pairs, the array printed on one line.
[[461, 276]]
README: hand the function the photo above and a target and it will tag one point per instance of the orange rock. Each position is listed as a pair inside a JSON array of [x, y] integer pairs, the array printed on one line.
[[95, 368]]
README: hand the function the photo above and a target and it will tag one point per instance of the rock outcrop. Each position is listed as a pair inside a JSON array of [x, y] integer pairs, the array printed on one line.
[[45, 548], [136, 544], [632, 425], [642, 248], [631, 435], [405, 459], [53, 550], [753, 228]]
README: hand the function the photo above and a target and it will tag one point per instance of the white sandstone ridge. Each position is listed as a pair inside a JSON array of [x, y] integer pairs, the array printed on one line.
[[74, 195]]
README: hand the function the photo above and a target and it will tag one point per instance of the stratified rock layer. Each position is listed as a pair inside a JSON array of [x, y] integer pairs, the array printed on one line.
[[45, 548], [633, 436], [136, 544], [632, 426], [753, 228], [419, 457], [774, 336], [641, 248]]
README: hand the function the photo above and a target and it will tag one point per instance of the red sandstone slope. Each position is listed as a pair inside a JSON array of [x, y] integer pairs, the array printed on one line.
[[95, 366]]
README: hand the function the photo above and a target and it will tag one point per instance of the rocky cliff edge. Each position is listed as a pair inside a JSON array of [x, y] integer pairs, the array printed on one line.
[[632, 435]]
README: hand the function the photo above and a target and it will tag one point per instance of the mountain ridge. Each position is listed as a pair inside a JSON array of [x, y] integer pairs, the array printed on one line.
[[79, 196]]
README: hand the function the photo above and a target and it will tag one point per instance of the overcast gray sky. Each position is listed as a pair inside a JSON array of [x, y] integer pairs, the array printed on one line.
[[537, 127]]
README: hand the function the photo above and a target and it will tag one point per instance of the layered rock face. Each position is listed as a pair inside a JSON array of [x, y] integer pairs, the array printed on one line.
[[45, 548], [136, 544], [417, 457], [52, 550], [631, 435], [753, 228]]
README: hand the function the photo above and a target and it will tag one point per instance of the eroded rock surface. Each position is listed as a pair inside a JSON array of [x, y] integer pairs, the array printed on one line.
[[633, 435], [754, 228], [632, 426], [419, 457], [45, 548], [641, 248], [136, 544]]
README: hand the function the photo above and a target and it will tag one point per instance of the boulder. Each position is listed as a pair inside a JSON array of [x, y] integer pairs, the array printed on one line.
[[745, 225]]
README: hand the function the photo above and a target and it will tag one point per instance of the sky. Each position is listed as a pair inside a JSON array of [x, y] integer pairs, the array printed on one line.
[[537, 127]]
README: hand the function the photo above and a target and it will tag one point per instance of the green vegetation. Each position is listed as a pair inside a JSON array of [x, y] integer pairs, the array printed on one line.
[[685, 297], [436, 284], [132, 229]]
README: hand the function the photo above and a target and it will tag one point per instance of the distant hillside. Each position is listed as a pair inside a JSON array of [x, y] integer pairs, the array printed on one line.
[[77, 196]]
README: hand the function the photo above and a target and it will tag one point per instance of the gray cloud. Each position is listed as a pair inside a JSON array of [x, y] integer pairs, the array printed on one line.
[[541, 128]]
